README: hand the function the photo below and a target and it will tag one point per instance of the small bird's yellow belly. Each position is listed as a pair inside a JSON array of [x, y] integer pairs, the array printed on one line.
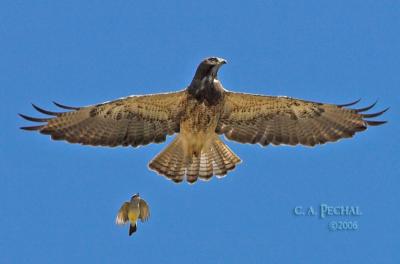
[[133, 215]]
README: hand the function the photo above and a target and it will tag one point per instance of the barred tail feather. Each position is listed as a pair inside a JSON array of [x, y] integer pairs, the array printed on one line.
[[223, 158], [170, 162], [216, 159]]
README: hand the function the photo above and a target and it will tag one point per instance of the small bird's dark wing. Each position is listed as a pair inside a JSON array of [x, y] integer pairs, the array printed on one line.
[[249, 118], [122, 216], [133, 120], [144, 211]]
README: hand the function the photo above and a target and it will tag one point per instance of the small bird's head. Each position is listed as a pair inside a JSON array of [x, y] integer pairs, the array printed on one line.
[[135, 197], [209, 68]]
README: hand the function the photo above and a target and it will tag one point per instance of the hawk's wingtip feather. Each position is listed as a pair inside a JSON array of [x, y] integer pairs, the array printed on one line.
[[65, 106], [46, 112]]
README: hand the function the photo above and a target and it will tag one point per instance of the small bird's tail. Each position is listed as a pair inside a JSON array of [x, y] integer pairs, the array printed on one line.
[[174, 163], [132, 228]]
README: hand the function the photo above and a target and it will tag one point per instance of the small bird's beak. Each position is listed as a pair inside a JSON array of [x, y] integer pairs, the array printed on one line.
[[135, 195]]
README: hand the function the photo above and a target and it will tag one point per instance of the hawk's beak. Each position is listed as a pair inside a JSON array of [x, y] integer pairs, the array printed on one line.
[[223, 61]]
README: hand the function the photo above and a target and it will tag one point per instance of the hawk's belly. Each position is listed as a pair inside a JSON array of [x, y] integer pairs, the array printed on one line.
[[198, 127]]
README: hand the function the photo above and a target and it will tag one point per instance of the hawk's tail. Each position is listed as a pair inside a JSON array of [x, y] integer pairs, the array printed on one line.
[[173, 162]]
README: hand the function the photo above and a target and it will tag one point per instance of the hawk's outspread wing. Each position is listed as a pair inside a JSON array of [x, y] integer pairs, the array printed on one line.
[[133, 120], [249, 118], [144, 210]]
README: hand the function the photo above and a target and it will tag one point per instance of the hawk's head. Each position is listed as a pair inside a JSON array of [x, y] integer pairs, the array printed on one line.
[[203, 86], [209, 68], [213, 61]]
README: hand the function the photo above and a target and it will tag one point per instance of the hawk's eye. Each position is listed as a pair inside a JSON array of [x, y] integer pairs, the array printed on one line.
[[213, 60]]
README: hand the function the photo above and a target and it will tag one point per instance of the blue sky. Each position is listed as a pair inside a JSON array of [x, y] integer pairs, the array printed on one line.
[[58, 201]]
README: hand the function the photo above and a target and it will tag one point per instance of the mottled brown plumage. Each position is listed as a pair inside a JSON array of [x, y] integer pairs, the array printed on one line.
[[199, 114]]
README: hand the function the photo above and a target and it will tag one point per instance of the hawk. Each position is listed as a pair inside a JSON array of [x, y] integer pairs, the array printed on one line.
[[198, 115], [131, 211]]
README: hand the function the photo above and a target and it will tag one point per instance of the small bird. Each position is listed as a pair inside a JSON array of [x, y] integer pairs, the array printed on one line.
[[131, 211]]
